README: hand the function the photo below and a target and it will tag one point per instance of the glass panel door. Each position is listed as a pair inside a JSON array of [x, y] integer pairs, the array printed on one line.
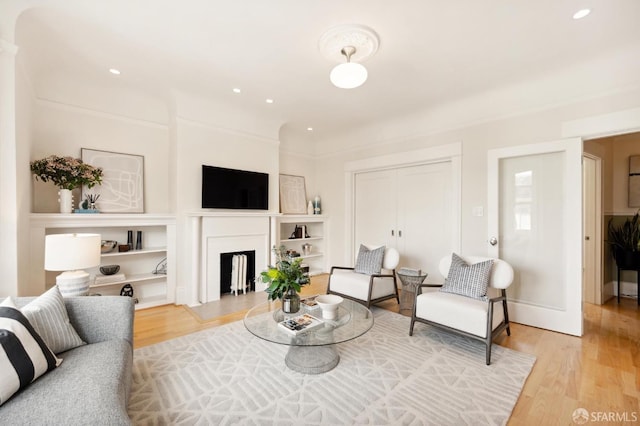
[[535, 214]]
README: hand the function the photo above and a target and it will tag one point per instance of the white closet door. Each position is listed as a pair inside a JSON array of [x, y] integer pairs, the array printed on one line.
[[425, 218], [409, 208], [375, 208]]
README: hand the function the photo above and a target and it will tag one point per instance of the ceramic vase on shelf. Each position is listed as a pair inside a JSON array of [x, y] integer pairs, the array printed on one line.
[[65, 198], [291, 302]]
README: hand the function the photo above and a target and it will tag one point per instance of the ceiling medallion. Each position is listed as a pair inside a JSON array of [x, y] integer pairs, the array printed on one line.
[[356, 43], [362, 38]]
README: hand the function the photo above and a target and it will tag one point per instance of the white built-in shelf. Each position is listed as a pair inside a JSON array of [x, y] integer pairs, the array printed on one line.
[[135, 252], [316, 238], [132, 278], [311, 256], [317, 228], [159, 233]]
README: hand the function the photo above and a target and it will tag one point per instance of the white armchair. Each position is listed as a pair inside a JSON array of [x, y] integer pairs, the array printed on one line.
[[364, 288], [479, 319]]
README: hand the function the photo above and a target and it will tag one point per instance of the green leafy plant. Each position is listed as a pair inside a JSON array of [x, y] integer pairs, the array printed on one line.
[[626, 236], [286, 275], [66, 172]]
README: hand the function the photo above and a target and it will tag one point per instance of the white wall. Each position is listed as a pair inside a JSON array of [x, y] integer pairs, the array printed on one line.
[[25, 107], [62, 129], [527, 128], [204, 135]]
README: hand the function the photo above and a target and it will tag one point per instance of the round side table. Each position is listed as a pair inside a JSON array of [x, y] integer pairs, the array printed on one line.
[[409, 286]]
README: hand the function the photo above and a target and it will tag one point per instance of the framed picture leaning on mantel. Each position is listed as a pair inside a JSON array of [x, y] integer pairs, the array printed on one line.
[[122, 189], [293, 195]]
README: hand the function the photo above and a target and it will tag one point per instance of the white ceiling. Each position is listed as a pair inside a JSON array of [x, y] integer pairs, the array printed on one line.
[[431, 51]]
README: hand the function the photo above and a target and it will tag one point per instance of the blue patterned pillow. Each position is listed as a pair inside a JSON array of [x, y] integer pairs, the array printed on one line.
[[369, 262], [468, 280]]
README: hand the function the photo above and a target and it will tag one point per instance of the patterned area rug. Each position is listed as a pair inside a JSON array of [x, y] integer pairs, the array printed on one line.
[[226, 376]]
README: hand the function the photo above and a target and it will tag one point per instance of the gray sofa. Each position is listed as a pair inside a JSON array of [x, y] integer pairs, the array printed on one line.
[[91, 386]]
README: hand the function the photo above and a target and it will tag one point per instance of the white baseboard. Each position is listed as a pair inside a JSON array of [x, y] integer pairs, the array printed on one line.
[[627, 288]]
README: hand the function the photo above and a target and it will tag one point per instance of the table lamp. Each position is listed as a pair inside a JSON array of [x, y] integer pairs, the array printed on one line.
[[72, 253]]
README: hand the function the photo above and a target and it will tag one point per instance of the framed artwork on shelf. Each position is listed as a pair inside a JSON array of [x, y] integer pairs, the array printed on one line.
[[293, 195], [122, 189]]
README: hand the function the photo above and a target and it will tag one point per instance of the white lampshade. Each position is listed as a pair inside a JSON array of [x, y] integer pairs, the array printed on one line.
[[348, 75], [70, 252]]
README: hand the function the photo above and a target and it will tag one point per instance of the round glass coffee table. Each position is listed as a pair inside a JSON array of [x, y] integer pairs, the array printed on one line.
[[313, 351]]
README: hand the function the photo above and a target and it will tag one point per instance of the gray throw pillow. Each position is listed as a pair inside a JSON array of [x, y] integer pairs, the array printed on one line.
[[49, 317], [25, 354], [468, 280], [369, 262]]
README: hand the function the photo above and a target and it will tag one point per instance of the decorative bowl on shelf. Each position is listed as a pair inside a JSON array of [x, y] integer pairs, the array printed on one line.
[[107, 246], [329, 304], [109, 269]]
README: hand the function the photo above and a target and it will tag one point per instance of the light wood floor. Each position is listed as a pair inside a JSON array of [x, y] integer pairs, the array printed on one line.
[[599, 372]]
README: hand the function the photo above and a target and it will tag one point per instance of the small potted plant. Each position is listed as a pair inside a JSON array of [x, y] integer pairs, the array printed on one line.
[[625, 242], [285, 280]]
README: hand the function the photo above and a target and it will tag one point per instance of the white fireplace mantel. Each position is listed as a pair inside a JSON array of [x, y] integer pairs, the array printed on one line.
[[216, 233]]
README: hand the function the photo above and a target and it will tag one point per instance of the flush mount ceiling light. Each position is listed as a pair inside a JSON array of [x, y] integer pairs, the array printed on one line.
[[350, 74], [355, 43]]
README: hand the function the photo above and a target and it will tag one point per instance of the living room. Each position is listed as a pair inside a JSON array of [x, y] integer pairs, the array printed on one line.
[[58, 97]]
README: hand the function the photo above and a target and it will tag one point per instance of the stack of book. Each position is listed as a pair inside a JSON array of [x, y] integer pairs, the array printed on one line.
[[410, 271], [309, 303], [300, 324]]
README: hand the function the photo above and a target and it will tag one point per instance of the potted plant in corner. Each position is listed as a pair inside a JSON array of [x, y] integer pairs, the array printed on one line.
[[625, 242], [285, 280]]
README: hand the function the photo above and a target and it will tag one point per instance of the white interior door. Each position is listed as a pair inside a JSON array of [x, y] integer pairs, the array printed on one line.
[[425, 217], [409, 208], [375, 208], [535, 224]]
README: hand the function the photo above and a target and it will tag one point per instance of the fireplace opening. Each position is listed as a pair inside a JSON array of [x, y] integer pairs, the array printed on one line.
[[237, 271]]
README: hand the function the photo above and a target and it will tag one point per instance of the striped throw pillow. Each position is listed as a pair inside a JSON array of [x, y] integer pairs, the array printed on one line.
[[49, 317], [369, 261], [468, 280], [23, 354]]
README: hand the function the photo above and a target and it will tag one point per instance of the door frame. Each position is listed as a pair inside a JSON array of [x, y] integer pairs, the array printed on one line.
[[598, 239], [443, 153]]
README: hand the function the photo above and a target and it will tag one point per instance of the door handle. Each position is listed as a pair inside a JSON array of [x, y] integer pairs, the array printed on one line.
[[393, 233], [400, 234], [493, 241]]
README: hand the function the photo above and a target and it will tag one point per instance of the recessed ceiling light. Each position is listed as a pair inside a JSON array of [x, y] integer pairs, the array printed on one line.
[[310, 129], [581, 13], [269, 101], [114, 71], [236, 90]]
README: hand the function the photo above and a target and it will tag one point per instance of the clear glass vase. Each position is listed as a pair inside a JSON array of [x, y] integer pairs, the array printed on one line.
[[291, 302]]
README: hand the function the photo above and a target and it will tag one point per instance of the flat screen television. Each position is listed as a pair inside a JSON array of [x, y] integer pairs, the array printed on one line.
[[234, 189]]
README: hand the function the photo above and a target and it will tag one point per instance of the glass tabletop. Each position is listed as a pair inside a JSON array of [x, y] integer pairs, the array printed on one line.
[[352, 320]]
